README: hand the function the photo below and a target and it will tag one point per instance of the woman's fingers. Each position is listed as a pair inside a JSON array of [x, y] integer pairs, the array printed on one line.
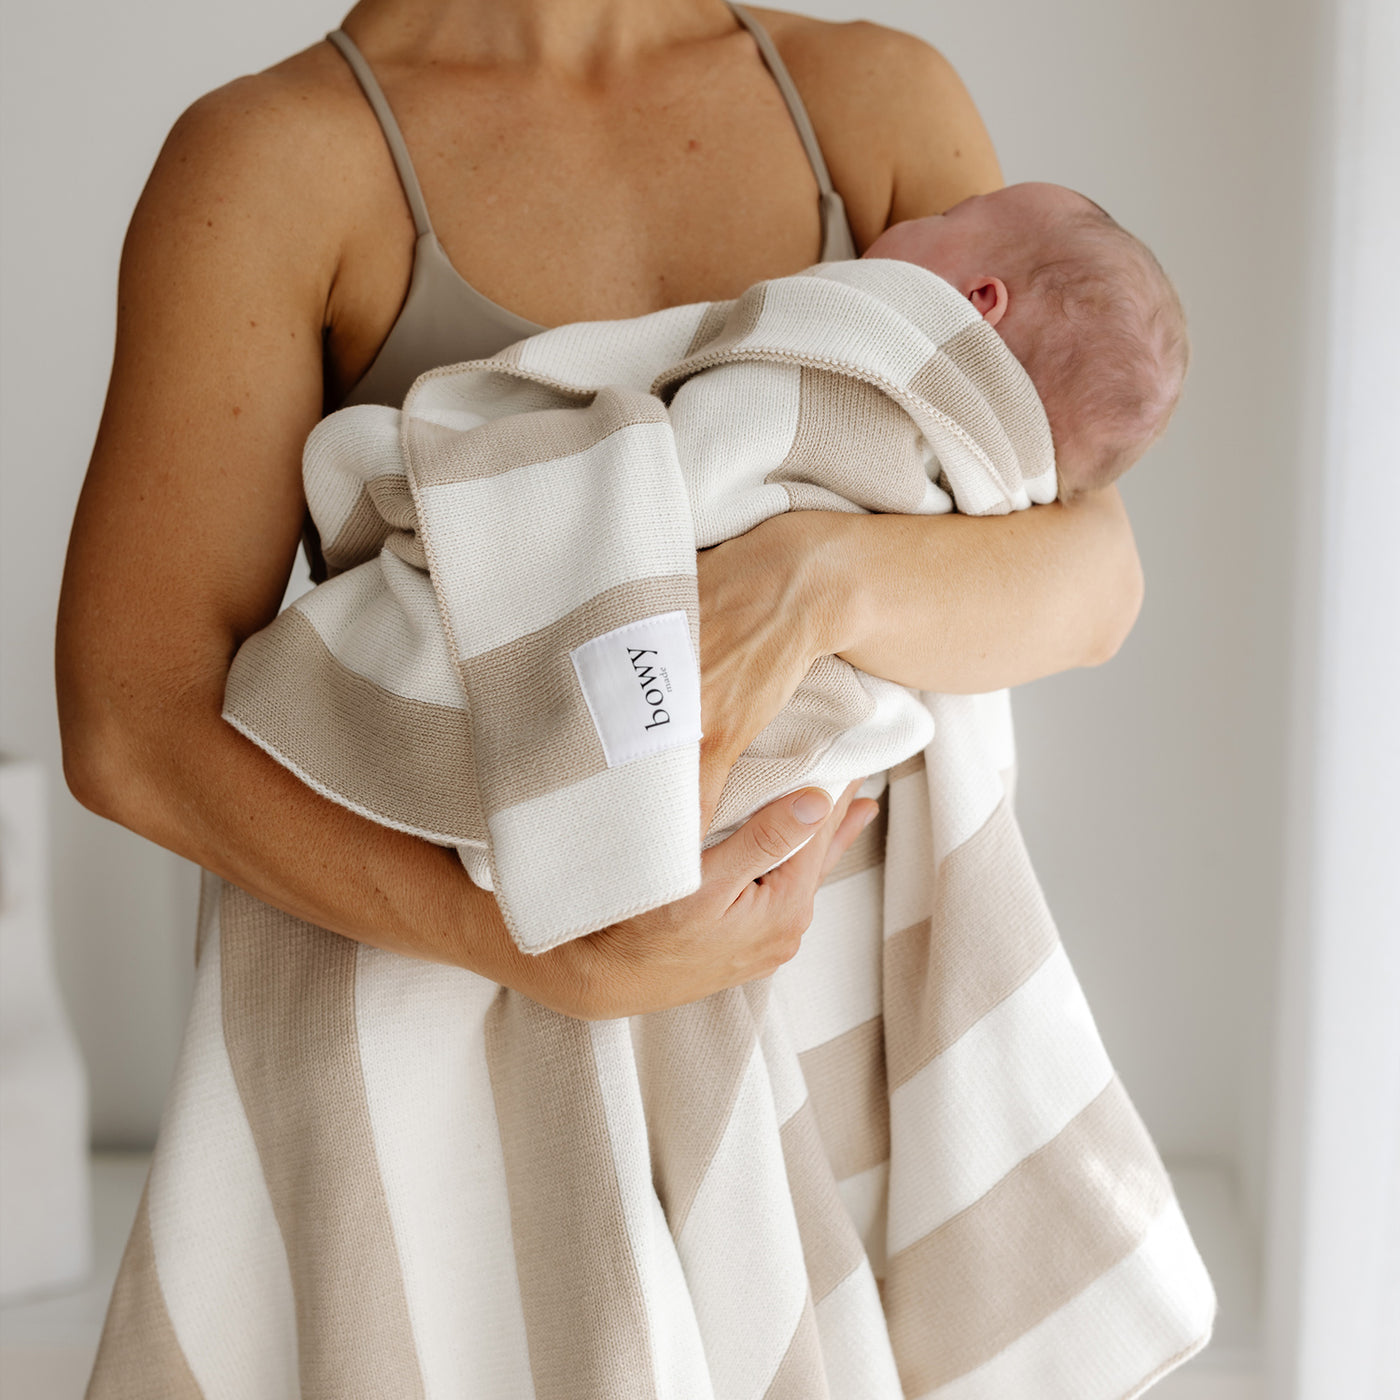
[[748, 916], [796, 880], [792, 835], [770, 836]]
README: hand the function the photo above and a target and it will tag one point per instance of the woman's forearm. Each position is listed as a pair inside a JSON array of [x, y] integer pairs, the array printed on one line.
[[197, 787], [201, 789], [966, 604]]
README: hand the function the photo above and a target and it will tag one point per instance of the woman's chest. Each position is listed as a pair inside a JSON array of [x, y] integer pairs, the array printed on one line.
[[568, 206]]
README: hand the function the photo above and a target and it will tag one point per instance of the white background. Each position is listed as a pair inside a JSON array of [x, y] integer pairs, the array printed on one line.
[[1155, 791]]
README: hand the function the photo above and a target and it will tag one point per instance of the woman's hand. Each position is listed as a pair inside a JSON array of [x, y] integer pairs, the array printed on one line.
[[955, 603], [764, 618], [746, 918]]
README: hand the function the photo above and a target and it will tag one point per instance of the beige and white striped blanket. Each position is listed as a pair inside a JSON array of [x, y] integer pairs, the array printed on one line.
[[902, 1167], [545, 694]]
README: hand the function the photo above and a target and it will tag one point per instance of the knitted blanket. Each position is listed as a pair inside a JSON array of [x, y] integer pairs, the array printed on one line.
[[515, 554], [902, 1167]]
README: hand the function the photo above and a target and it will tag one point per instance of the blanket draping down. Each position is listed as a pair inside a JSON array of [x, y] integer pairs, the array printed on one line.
[[901, 1167]]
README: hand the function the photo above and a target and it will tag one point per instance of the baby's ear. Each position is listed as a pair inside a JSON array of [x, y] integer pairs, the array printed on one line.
[[989, 298]]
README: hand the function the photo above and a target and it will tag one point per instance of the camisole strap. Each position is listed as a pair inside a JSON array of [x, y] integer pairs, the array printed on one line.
[[408, 177], [791, 96], [837, 239]]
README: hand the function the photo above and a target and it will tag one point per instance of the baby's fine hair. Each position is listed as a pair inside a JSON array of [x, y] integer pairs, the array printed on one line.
[[1110, 362]]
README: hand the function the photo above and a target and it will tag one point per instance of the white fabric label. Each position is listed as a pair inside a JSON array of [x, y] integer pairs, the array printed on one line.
[[642, 686]]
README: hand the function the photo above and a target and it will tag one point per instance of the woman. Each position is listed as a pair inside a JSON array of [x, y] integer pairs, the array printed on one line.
[[579, 159]]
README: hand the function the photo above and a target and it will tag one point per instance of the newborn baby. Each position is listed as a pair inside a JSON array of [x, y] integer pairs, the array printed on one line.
[[1080, 302]]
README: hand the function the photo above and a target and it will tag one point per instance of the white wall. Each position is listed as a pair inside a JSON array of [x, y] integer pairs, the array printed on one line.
[[1152, 790]]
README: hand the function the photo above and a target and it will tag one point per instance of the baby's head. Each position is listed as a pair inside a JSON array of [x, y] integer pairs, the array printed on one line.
[[1079, 301]]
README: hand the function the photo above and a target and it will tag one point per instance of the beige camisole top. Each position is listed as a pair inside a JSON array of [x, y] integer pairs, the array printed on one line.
[[445, 320]]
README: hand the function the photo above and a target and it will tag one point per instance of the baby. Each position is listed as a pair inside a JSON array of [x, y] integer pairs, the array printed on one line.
[[1080, 302]]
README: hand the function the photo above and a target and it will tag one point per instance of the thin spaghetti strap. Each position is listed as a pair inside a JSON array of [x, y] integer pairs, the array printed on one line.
[[408, 177], [838, 240], [791, 96]]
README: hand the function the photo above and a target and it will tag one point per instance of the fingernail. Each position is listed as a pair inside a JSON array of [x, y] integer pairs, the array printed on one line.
[[811, 807], [870, 817]]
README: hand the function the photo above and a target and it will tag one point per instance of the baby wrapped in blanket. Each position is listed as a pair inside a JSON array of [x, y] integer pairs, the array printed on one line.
[[516, 547]]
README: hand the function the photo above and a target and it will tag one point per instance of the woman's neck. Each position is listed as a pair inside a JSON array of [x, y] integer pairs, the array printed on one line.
[[581, 38]]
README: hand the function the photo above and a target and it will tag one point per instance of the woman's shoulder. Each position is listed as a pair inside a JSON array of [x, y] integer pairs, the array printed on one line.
[[310, 94], [861, 40], [899, 129], [297, 138]]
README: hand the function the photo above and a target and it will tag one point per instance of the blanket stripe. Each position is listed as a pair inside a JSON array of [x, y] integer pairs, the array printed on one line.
[[846, 1075], [569, 1221], [529, 681], [1001, 1239], [841, 424], [801, 1373], [139, 1350], [352, 1317], [432, 794]]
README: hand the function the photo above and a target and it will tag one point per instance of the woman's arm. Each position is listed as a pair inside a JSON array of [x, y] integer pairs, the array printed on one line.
[[183, 540], [949, 604], [952, 603]]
